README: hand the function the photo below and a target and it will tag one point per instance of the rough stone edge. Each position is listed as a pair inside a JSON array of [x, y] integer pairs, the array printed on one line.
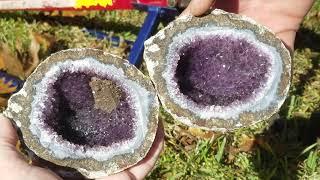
[[152, 64], [14, 109]]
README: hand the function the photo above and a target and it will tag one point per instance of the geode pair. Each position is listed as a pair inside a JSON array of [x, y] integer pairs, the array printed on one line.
[[94, 112]]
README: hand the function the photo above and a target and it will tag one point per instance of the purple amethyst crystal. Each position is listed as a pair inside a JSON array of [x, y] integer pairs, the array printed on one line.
[[75, 118], [87, 110], [220, 70]]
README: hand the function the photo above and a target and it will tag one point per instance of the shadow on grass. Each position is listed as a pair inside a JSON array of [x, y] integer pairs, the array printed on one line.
[[306, 78], [278, 153], [308, 39]]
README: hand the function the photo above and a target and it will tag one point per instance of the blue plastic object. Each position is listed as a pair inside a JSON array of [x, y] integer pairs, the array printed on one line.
[[16, 82], [152, 21], [154, 17]]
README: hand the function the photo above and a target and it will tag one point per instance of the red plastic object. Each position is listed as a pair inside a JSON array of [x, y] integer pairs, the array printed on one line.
[[117, 4], [161, 3], [125, 4]]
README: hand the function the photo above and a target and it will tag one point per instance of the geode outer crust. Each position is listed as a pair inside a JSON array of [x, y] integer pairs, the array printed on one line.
[[19, 109], [156, 56]]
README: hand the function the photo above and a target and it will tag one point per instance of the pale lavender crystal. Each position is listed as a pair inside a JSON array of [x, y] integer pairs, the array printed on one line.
[[74, 117], [219, 70]]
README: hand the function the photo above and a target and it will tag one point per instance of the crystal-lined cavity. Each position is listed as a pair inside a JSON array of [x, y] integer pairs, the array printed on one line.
[[219, 70], [97, 108], [75, 116], [87, 111]]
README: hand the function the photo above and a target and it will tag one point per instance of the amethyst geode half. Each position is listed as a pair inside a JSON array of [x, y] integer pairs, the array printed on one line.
[[87, 110], [218, 72]]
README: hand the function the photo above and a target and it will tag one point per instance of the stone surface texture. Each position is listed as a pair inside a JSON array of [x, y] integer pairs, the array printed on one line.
[[87, 110], [218, 72], [106, 94]]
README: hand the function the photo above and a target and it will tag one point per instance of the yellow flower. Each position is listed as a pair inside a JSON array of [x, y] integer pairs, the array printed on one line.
[[88, 3]]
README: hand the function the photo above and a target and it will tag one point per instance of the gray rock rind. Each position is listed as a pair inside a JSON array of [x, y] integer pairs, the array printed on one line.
[[156, 50], [19, 108]]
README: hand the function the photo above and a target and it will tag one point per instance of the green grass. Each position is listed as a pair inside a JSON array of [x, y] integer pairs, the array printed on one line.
[[286, 149], [15, 34]]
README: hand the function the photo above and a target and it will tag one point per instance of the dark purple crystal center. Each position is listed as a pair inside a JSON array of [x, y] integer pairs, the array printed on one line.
[[74, 117], [220, 70]]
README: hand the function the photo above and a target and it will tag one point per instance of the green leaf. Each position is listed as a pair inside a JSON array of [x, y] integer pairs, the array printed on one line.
[[312, 161], [308, 148], [221, 146]]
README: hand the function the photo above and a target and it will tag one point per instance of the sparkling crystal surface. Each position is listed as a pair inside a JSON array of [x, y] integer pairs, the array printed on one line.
[[70, 112], [220, 70]]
